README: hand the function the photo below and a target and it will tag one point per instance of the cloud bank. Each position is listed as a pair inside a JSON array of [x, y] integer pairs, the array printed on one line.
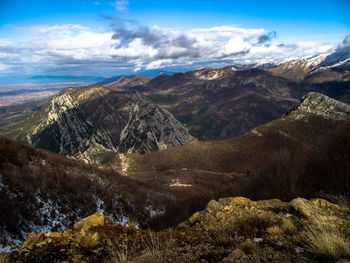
[[345, 45], [131, 46]]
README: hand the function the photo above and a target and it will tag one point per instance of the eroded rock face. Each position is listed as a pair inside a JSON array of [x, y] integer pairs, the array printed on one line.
[[97, 119], [318, 104]]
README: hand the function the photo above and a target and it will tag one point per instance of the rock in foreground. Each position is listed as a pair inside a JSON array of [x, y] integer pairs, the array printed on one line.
[[229, 230]]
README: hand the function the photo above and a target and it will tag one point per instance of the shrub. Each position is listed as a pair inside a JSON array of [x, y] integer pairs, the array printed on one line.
[[248, 247], [254, 225]]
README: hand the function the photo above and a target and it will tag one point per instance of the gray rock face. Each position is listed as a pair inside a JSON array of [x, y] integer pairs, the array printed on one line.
[[321, 105], [78, 120]]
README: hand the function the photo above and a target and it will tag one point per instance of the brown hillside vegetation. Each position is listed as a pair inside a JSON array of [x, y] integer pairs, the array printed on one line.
[[41, 191], [299, 147]]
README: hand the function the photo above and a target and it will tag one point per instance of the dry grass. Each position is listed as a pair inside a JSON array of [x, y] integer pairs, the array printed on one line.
[[4, 257], [337, 199], [149, 249], [154, 250], [326, 242], [121, 253], [132, 225], [288, 226], [223, 235]]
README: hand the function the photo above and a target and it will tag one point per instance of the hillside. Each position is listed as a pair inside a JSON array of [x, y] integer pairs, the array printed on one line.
[[229, 230], [97, 119], [41, 191], [240, 153], [221, 103], [312, 135]]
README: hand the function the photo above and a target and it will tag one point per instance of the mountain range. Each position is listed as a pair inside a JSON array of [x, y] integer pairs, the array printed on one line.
[[294, 155], [263, 133], [224, 103]]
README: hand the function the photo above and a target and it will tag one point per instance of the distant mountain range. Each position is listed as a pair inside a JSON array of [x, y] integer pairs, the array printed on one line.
[[224, 103], [298, 69]]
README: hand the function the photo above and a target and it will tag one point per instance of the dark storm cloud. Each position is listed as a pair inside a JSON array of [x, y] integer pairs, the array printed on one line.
[[267, 37]]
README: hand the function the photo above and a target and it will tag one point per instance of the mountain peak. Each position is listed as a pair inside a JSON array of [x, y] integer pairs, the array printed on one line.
[[80, 121], [321, 105]]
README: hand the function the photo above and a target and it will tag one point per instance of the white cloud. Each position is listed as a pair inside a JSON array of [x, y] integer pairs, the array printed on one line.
[[3, 67], [121, 5], [136, 47], [345, 45]]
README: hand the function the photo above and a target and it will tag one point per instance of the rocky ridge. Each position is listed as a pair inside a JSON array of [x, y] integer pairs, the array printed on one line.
[[77, 122], [321, 105], [233, 229]]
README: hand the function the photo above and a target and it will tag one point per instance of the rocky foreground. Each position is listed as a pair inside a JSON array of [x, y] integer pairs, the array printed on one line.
[[228, 230]]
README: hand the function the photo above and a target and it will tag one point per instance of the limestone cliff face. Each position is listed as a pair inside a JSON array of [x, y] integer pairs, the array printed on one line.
[[321, 105], [78, 120]]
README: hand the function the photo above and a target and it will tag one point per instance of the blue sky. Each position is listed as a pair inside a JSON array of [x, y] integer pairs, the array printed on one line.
[[111, 37]]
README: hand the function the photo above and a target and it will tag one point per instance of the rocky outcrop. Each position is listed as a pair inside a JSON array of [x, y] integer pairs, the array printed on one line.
[[321, 105], [84, 235], [97, 119], [228, 230]]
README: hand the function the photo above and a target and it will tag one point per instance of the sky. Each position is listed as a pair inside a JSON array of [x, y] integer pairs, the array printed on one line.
[[109, 38]]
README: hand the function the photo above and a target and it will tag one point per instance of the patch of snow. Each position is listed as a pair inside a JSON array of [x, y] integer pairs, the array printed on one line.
[[123, 220], [48, 210], [99, 203], [11, 244], [154, 212]]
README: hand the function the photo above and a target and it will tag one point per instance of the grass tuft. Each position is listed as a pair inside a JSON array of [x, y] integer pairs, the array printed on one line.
[[326, 242]]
